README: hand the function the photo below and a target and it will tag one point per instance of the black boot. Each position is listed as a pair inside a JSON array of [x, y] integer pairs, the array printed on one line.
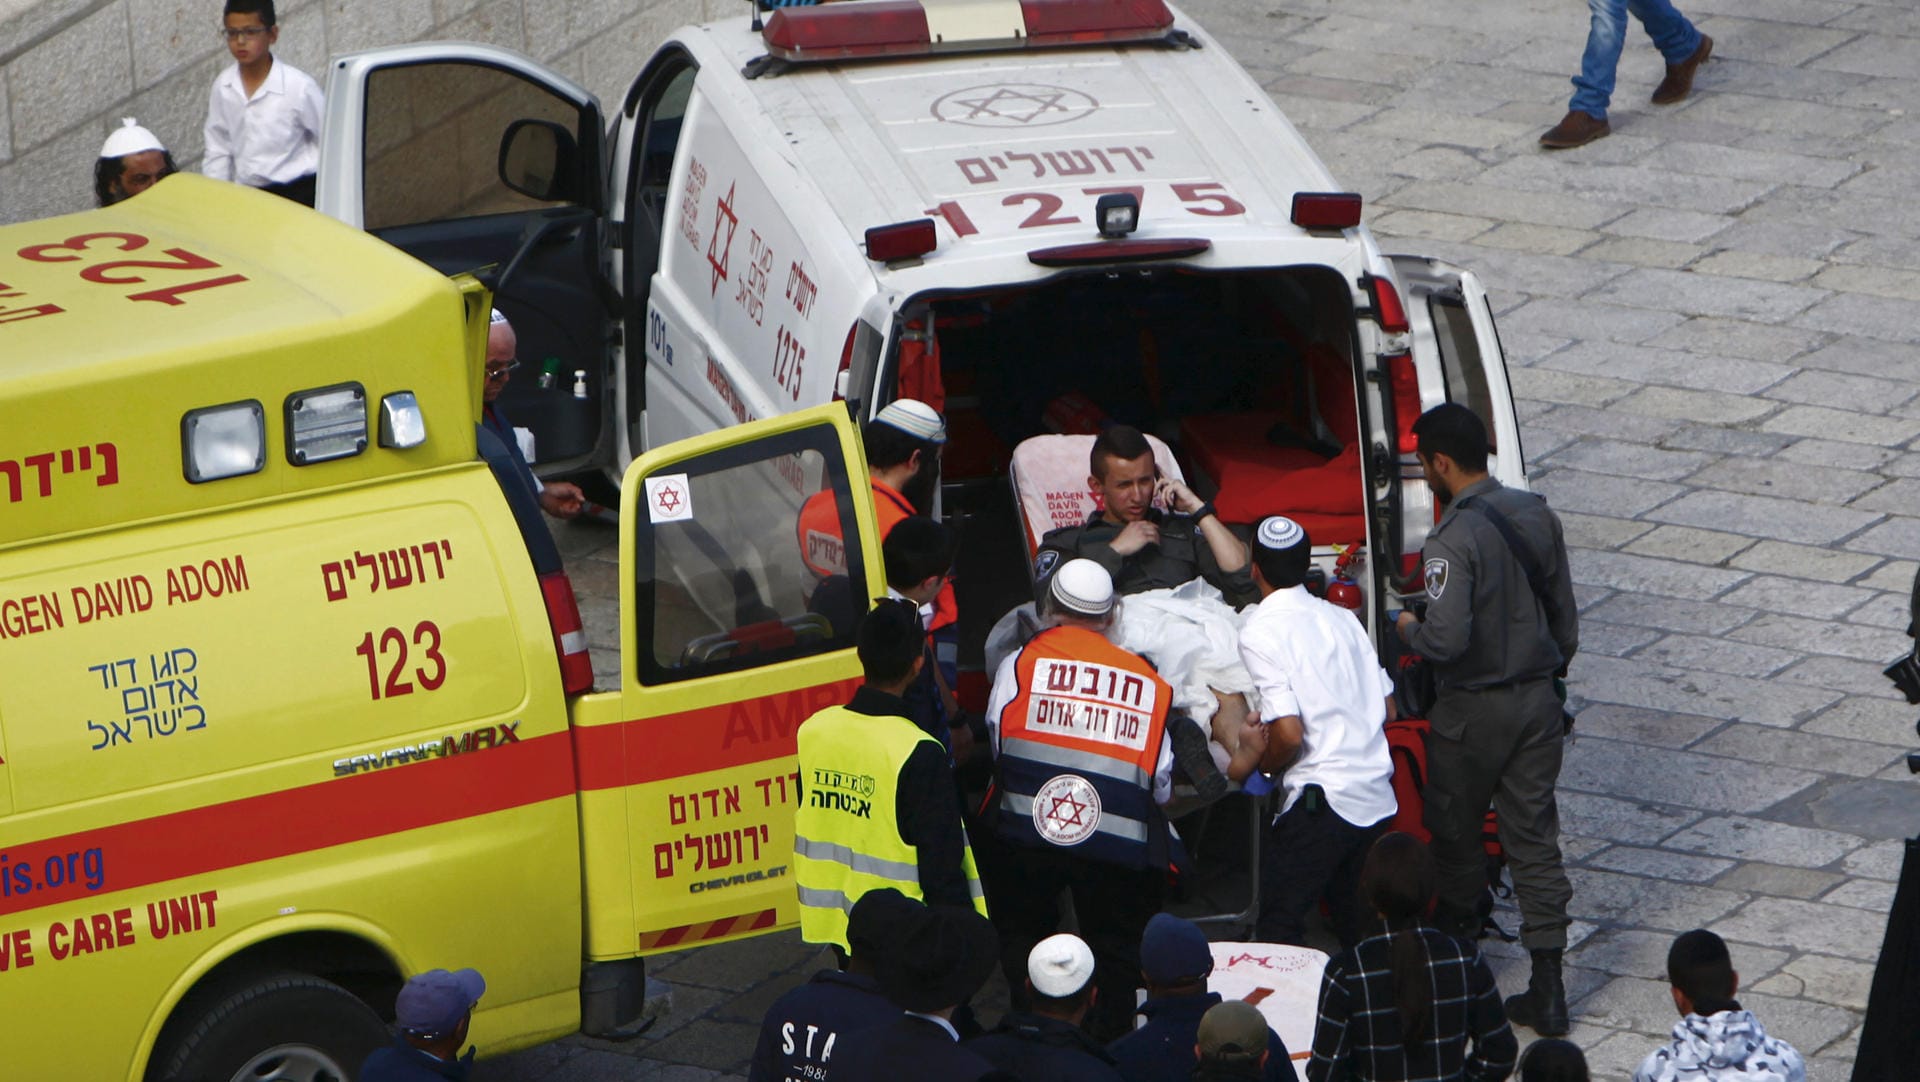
[[1543, 1006]]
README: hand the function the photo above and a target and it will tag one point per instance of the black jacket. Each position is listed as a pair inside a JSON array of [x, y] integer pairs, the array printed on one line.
[[402, 1062], [803, 1028], [1162, 1050], [1181, 555], [909, 1047], [1034, 1048], [927, 806]]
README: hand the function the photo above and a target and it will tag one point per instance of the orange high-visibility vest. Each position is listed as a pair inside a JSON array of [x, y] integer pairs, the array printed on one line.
[[824, 551], [1079, 744]]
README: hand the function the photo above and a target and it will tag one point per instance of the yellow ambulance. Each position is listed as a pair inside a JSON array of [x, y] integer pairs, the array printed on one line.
[[294, 695]]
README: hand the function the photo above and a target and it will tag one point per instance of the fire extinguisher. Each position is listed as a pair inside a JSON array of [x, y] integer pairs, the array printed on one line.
[[1343, 590]]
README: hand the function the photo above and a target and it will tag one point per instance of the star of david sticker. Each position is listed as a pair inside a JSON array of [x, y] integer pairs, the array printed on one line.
[[1074, 808], [1009, 103], [668, 499], [723, 218]]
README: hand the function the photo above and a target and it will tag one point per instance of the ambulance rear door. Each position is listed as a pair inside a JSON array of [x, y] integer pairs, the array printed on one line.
[[728, 642], [1457, 353], [468, 157], [1456, 357]]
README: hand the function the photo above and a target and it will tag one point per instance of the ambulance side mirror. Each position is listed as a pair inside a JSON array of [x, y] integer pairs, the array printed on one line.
[[538, 160]]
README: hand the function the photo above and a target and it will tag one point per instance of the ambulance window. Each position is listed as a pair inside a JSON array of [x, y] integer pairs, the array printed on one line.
[[666, 109], [1460, 359], [433, 141], [747, 556]]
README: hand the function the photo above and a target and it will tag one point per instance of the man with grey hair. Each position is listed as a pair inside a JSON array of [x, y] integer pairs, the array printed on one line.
[[561, 499]]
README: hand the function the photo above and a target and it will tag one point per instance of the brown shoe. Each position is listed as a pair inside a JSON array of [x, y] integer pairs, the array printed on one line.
[[1679, 80], [1577, 129]]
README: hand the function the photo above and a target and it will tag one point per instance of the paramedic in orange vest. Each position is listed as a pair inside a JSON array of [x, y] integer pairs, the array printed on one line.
[[903, 443], [1082, 765]]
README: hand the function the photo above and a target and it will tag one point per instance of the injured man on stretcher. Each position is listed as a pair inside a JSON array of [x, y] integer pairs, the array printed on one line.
[[1184, 574]]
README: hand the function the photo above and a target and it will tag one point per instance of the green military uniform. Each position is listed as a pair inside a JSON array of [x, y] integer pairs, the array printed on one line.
[[1181, 555], [1497, 728], [877, 809]]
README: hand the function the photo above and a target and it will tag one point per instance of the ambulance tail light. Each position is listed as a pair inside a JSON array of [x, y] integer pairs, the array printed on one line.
[[1387, 310], [1326, 210], [569, 634], [897, 28], [901, 240], [1405, 382]]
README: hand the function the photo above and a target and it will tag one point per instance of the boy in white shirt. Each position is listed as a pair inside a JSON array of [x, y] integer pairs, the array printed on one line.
[[263, 117], [1327, 699]]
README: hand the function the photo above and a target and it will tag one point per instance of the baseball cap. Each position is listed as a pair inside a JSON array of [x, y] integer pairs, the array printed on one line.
[[915, 418], [1084, 587], [1233, 1029], [1060, 965], [129, 138], [1174, 950], [434, 1002]]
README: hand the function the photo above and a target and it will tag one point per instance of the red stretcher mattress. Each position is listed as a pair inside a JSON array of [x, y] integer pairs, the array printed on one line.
[[1327, 497]]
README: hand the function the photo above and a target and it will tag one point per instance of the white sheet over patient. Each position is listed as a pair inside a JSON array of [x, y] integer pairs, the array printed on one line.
[[1189, 632]]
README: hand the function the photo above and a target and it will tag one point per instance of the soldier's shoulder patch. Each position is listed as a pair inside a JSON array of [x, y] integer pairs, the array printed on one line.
[[1435, 573], [1045, 562]]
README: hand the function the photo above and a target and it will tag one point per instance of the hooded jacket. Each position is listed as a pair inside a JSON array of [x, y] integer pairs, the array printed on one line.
[[1729, 1046]]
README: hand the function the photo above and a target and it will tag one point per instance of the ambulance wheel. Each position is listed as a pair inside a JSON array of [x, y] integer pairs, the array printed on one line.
[[286, 1027]]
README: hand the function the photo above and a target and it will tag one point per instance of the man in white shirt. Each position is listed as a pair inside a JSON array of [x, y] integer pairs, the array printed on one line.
[[1327, 699], [263, 117]]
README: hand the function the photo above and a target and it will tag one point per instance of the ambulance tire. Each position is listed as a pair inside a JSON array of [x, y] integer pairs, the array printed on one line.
[[307, 1026]]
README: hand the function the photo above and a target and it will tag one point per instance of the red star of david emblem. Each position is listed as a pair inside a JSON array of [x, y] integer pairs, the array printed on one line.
[[1066, 811], [668, 498], [723, 219]]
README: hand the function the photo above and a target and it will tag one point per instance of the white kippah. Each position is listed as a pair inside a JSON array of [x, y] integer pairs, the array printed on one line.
[[1279, 532], [497, 318], [129, 138], [915, 418], [1060, 965], [1084, 587]]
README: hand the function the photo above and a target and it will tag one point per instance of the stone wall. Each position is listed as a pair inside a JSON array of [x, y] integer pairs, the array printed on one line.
[[69, 69]]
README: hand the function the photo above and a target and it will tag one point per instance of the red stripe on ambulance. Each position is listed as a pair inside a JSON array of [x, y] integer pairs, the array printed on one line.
[[319, 816], [674, 746]]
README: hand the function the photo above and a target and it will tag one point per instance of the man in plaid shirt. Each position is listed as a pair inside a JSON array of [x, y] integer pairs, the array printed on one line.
[[1409, 1004]]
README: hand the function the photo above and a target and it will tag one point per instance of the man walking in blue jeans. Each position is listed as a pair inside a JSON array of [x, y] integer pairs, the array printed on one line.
[[1685, 48]]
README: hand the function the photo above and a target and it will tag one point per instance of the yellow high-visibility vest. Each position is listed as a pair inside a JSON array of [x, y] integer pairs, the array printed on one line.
[[846, 833]]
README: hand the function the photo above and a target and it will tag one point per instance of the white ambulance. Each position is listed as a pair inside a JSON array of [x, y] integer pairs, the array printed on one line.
[[1040, 215]]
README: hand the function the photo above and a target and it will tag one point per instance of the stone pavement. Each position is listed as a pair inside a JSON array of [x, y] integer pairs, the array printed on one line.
[[1710, 321]]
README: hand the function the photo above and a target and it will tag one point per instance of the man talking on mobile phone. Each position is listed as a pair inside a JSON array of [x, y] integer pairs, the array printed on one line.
[[1141, 546]]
